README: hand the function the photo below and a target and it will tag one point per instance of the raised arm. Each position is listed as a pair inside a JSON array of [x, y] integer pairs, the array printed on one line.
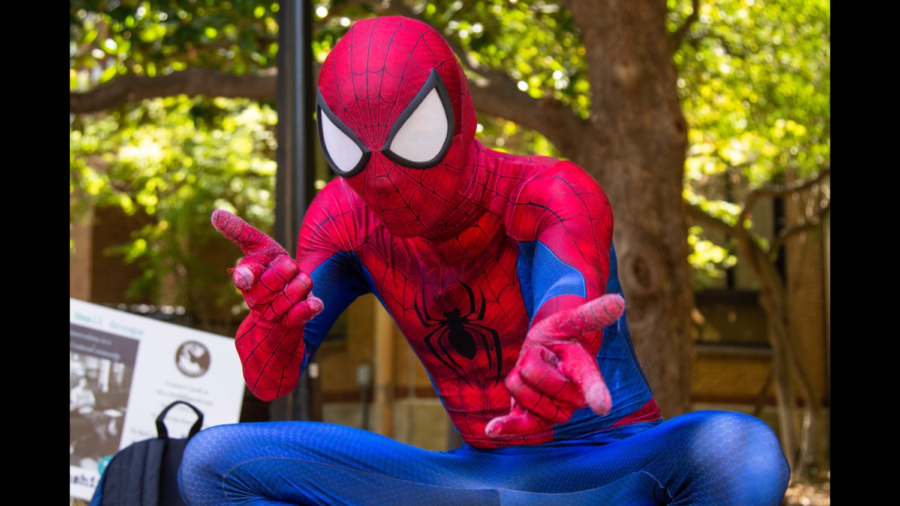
[[564, 218], [287, 322], [572, 237]]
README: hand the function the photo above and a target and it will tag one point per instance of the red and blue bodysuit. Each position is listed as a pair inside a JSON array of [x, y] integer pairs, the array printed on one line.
[[501, 274]]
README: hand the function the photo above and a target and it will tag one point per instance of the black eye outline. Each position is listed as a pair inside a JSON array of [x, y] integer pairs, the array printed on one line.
[[366, 153], [433, 82]]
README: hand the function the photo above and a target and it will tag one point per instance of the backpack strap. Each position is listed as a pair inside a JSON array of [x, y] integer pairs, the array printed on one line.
[[161, 431], [133, 476], [145, 472]]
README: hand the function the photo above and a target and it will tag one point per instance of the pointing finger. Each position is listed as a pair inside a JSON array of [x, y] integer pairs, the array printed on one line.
[[582, 369], [239, 232], [589, 317]]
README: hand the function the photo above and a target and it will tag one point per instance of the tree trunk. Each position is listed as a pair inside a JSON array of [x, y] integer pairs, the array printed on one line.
[[635, 147], [809, 460], [784, 397], [783, 335], [810, 449]]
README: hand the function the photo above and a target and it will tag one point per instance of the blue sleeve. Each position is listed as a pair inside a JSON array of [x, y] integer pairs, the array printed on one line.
[[338, 281], [544, 276]]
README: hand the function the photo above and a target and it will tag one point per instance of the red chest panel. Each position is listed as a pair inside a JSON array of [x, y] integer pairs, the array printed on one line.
[[460, 307]]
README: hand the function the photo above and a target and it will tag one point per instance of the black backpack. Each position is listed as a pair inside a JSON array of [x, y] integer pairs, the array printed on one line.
[[146, 473]]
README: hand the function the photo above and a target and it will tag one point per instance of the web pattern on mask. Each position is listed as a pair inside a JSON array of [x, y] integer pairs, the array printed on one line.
[[368, 83]]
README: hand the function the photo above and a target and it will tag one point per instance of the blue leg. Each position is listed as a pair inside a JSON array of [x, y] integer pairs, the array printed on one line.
[[318, 463], [711, 457], [700, 458]]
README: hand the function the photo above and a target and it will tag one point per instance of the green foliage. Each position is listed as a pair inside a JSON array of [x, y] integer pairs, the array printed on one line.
[[754, 80], [506, 136], [536, 42], [110, 37], [755, 84], [708, 258], [175, 160]]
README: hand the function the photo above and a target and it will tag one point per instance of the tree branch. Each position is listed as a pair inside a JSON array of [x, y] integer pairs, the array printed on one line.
[[780, 191], [791, 231], [700, 217], [494, 92], [499, 97], [192, 82], [550, 117], [679, 35], [761, 396], [785, 190]]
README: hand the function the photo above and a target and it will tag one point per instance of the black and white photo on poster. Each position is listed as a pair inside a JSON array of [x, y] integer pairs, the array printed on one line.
[[124, 369], [101, 367]]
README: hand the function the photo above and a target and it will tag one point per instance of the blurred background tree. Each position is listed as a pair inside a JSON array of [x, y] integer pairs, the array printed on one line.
[[683, 110], [755, 84]]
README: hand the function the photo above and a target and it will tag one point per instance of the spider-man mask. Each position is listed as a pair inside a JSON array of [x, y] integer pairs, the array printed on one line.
[[396, 121]]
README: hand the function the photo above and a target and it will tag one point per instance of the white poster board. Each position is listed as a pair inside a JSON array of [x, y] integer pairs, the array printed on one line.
[[124, 369]]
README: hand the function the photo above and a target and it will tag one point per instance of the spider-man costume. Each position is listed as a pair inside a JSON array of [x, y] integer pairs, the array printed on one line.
[[500, 271]]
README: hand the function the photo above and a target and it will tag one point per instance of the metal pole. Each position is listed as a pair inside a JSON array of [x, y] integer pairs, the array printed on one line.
[[295, 155], [364, 380], [365, 408]]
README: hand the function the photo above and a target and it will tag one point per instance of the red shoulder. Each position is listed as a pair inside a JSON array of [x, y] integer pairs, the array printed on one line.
[[336, 220], [553, 194]]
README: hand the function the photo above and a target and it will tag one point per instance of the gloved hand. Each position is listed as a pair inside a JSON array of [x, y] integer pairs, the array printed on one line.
[[555, 374], [270, 340]]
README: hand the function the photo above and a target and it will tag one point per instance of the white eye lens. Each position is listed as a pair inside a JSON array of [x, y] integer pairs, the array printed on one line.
[[424, 133], [344, 153]]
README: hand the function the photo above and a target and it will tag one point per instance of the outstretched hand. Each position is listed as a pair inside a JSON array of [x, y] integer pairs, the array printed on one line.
[[272, 284], [554, 375]]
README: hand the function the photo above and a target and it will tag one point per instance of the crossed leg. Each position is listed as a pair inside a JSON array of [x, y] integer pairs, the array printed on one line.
[[711, 457]]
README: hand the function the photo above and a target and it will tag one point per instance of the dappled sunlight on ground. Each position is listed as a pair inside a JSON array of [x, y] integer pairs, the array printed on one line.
[[814, 494]]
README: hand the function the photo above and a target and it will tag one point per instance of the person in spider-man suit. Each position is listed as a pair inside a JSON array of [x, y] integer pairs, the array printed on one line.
[[501, 273]]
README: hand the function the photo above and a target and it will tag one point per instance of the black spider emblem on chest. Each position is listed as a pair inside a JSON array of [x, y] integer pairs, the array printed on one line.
[[460, 331]]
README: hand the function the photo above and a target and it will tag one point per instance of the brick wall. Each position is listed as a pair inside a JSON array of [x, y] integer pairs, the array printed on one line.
[[730, 375], [96, 275]]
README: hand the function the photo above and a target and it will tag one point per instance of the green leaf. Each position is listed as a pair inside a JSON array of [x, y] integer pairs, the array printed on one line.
[[108, 73]]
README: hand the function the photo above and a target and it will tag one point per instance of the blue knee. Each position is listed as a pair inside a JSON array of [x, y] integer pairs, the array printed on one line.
[[206, 458], [738, 450]]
